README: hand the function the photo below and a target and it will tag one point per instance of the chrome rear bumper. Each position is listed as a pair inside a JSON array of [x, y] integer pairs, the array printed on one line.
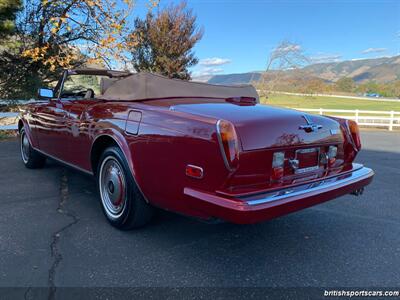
[[262, 206], [315, 187]]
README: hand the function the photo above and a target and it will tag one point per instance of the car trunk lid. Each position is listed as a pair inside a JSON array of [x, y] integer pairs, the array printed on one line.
[[262, 126]]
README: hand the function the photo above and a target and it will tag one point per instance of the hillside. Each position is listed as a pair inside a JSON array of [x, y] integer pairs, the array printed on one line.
[[380, 70], [235, 78]]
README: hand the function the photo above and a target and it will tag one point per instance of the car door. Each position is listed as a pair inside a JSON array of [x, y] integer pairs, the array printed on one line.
[[51, 128], [64, 125], [79, 139]]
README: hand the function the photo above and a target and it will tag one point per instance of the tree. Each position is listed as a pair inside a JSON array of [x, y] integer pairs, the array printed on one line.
[[394, 89], [8, 11], [368, 87], [164, 42], [57, 29], [388, 89], [285, 56], [56, 34], [345, 84], [313, 86]]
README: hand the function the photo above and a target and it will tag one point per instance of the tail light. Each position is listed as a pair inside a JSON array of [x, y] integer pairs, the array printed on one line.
[[355, 134], [278, 162], [229, 143]]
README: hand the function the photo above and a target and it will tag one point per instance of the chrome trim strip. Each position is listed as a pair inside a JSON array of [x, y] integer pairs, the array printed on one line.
[[317, 186], [64, 162]]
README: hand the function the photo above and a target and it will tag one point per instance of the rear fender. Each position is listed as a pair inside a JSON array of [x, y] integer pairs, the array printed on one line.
[[121, 141], [349, 148]]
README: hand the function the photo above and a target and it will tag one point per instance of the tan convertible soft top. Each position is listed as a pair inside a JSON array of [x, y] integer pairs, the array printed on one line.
[[141, 86]]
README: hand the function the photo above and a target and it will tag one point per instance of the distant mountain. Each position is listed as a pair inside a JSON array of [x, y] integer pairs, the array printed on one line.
[[380, 70], [235, 78], [384, 69], [202, 78]]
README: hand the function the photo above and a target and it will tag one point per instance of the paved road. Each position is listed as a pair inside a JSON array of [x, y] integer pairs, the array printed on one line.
[[53, 233]]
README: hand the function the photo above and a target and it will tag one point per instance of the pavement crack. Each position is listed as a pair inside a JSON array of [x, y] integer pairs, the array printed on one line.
[[27, 293], [54, 245]]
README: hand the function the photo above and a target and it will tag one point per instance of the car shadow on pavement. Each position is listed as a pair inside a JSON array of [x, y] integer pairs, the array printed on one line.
[[53, 233], [297, 248]]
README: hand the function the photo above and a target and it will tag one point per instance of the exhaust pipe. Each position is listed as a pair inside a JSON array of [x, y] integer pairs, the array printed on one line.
[[358, 192]]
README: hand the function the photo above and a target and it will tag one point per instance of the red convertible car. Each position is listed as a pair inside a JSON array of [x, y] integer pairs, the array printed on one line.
[[207, 151]]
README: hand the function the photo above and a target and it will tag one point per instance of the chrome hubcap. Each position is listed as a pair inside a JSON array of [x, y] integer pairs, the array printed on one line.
[[112, 187], [24, 147]]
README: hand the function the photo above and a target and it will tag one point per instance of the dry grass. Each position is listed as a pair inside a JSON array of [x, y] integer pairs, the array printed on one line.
[[7, 134], [10, 108]]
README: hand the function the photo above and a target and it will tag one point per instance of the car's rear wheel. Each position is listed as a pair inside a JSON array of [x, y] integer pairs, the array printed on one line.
[[31, 158], [123, 204]]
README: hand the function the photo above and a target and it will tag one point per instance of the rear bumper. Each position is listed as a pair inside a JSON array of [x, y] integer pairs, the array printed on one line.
[[264, 206]]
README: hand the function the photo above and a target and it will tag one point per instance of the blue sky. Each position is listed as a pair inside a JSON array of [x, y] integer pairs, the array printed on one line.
[[239, 35]]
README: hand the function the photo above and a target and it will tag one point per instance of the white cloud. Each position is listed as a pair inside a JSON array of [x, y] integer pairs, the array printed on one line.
[[325, 58], [214, 61], [207, 72], [373, 50]]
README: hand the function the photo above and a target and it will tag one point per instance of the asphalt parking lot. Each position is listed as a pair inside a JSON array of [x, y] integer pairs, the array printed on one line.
[[53, 234]]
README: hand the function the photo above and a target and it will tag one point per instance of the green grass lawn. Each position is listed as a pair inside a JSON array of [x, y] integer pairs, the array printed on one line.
[[328, 103]]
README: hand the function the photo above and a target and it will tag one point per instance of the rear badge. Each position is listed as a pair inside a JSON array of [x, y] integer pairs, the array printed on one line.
[[310, 127]]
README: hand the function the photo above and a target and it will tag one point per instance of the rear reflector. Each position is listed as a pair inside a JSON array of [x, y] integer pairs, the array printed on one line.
[[277, 173], [331, 162], [194, 171]]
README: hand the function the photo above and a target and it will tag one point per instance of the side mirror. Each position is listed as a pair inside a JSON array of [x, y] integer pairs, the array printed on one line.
[[45, 94]]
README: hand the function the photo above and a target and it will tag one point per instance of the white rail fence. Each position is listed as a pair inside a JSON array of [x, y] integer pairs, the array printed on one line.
[[8, 121], [370, 118]]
